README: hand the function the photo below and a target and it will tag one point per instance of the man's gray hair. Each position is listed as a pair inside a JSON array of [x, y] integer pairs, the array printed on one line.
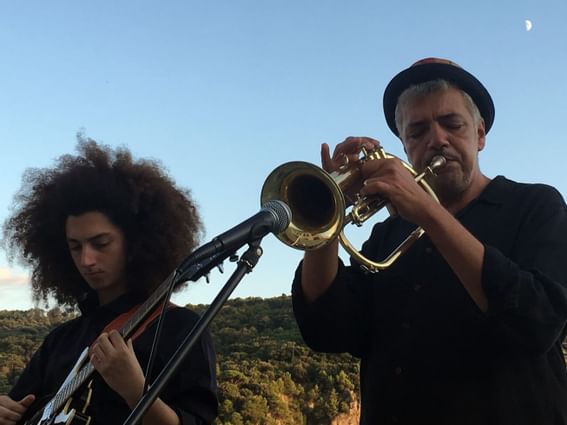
[[428, 87]]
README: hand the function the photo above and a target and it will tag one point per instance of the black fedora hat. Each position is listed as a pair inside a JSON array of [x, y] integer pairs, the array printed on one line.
[[432, 69]]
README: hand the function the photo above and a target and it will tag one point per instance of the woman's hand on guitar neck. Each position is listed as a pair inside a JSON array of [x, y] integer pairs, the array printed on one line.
[[12, 411], [116, 362]]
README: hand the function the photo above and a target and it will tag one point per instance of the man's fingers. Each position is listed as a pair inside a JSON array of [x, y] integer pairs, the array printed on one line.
[[326, 160], [353, 145], [8, 416], [349, 149], [103, 344], [7, 405], [12, 411], [27, 401], [116, 339]]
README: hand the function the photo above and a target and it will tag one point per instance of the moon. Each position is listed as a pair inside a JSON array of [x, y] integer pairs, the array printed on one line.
[[528, 25]]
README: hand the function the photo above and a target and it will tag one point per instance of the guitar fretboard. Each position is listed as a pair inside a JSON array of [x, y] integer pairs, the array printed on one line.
[[69, 388]]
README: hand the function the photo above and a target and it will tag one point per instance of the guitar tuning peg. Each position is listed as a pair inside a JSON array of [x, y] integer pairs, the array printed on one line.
[[220, 267], [233, 258]]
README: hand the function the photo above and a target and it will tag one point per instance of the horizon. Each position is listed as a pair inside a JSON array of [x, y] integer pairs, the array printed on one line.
[[223, 93]]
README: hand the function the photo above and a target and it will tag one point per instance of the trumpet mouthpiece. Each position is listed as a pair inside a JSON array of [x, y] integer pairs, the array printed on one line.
[[437, 162]]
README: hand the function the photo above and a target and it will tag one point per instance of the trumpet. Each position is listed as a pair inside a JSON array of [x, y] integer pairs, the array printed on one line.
[[318, 201]]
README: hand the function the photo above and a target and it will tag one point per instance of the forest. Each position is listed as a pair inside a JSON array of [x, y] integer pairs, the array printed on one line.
[[266, 374]]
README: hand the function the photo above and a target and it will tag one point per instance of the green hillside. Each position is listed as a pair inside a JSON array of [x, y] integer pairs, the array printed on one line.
[[266, 374]]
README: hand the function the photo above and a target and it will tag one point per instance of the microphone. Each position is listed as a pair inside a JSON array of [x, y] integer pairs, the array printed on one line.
[[274, 217]]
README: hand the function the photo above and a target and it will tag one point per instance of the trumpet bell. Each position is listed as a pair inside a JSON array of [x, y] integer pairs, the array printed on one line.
[[316, 202]]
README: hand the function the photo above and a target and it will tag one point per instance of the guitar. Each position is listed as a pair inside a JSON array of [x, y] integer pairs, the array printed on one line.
[[63, 408]]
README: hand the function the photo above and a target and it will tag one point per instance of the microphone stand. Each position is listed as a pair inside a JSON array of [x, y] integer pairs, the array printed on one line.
[[245, 264]]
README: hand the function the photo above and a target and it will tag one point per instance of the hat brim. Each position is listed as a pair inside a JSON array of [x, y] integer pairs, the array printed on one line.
[[433, 71]]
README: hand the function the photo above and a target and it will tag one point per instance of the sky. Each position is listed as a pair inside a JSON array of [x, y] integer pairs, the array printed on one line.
[[222, 92]]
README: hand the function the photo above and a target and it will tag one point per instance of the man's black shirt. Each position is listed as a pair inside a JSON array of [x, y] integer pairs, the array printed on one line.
[[191, 393], [428, 354]]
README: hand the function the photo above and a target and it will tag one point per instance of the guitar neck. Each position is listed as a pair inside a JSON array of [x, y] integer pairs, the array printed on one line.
[[126, 330], [145, 309], [73, 385]]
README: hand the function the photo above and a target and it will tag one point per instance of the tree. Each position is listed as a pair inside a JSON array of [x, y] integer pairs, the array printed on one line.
[[255, 410]]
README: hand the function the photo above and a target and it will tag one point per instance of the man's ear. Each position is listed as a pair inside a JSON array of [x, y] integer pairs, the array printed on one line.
[[481, 135]]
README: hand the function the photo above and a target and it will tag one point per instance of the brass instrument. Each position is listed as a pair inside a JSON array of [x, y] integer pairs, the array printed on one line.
[[318, 203]]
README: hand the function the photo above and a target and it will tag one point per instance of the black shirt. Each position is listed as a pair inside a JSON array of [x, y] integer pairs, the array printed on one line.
[[428, 354], [191, 393]]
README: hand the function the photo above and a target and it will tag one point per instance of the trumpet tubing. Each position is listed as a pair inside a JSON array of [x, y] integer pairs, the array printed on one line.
[[318, 203]]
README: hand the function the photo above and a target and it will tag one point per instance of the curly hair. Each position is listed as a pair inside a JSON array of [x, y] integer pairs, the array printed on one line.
[[159, 220]]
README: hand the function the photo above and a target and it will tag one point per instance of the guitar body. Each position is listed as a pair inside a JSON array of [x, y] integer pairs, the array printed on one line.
[[73, 413], [73, 409]]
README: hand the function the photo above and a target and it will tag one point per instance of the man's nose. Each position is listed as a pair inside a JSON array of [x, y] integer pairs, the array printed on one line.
[[88, 257], [438, 137]]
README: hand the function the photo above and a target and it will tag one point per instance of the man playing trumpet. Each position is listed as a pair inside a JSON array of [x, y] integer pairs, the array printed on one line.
[[466, 327]]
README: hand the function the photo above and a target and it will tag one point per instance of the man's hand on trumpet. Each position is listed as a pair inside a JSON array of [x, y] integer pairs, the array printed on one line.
[[388, 179], [391, 180], [346, 152]]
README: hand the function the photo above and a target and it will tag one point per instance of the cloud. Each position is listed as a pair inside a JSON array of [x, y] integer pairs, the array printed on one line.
[[11, 277], [15, 291]]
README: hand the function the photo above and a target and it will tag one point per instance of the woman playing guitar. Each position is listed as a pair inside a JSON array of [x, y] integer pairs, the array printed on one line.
[[101, 231]]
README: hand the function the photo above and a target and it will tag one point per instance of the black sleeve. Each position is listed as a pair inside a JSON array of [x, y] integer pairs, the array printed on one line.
[[335, 321], [527, 296]]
